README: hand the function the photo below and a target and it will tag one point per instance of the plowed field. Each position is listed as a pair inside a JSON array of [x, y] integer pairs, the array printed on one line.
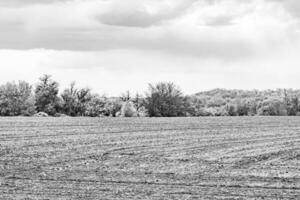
[[150, 158]]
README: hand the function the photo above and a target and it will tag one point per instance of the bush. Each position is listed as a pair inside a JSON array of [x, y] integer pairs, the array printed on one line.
[[142, 112], [242, 109], [112, 107], [231, 110], [96, 106], [128, 110]]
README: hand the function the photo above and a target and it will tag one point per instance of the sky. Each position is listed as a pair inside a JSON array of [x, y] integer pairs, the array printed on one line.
[[113, 46]]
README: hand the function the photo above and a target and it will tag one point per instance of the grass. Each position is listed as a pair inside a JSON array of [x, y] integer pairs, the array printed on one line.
[[150, 158]]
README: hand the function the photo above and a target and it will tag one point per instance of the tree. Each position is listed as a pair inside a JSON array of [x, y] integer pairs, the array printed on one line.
[[189, 108], [293, 109], [69, 100], [84, 96], [242, 108], [194, 106], [46, 94], [272, 107], [291, 103], [16, 99], [96, 106], [165, 100], [75, 101]]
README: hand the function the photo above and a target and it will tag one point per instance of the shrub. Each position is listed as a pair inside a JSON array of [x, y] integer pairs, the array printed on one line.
[[96, 106], [112, 107], [128, 110], [231, 110]]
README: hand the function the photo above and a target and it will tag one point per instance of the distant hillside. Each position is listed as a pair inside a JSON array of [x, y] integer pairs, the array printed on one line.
[[219, 102], [226, 93]]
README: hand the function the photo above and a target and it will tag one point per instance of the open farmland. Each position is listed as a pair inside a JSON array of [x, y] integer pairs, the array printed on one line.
[[150, 158]]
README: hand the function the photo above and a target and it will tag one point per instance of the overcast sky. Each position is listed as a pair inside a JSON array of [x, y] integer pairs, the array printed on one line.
[[115, 45]]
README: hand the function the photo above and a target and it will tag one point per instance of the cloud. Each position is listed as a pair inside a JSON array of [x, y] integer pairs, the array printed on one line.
[[21, 3], [142, 13], [292, 6], [228, 30], [220, 21], [197, 44]]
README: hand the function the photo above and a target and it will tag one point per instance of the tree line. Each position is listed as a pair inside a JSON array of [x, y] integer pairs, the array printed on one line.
[[163, 99]]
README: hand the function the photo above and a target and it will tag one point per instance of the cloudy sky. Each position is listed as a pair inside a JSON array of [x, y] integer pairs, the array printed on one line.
[[115, 45]]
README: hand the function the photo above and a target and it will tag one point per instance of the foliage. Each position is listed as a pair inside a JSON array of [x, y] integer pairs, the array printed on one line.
[[76, 102], [165, 100], [112, 107], [69, 100], [96, 106], [128, 110], [46, 94], [162, 100], [16, 99], [272, 107], [231, 109], [243, 102], [139, 104]]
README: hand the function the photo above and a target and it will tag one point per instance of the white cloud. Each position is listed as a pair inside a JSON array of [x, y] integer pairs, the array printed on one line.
[[292, 6], [22, 3], [207, 43], [221, 29], [142, 13]]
